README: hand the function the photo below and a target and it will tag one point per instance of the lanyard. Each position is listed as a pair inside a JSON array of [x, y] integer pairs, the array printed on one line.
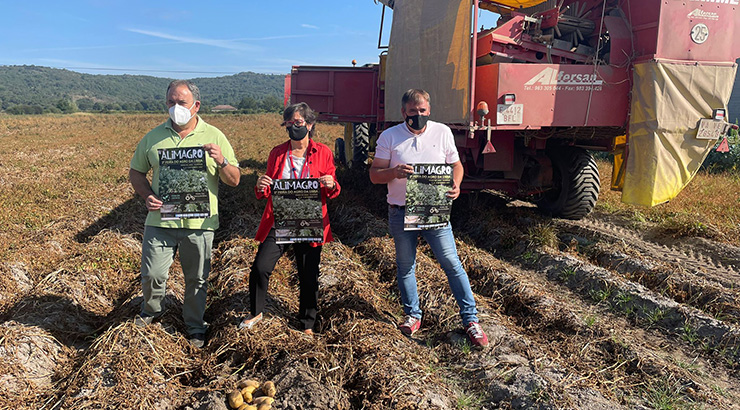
[[304, 169]]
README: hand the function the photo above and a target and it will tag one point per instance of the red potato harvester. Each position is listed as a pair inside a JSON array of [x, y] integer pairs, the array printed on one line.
[[532, 98]]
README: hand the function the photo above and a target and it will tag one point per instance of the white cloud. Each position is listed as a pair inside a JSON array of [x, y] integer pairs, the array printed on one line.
[[75, 63], [286, 37], [159, 43], [309, 26], [228, 44], [174, 69]]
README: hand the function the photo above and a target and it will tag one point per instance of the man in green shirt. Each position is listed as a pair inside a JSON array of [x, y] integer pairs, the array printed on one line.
[[182, 215]]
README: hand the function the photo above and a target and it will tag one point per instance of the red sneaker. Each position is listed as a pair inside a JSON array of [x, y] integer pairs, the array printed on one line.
[[410, 325], [476, 335], [249, 321]]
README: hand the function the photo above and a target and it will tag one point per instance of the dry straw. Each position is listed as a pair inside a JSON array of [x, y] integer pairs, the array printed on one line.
[[69, 286]]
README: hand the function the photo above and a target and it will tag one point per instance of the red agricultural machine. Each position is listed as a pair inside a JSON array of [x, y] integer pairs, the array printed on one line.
[[530, 99]]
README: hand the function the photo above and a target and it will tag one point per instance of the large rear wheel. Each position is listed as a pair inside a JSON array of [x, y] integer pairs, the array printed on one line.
[[339, 154], [576, 184], [360, 143]]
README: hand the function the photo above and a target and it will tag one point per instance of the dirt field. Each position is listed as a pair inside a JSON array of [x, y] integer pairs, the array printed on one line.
[[613, 311]]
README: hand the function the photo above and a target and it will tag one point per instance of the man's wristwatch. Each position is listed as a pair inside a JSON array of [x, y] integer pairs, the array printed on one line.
[[224, 164]]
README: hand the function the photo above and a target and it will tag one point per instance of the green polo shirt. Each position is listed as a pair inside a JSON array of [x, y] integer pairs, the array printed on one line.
[[164, 136]]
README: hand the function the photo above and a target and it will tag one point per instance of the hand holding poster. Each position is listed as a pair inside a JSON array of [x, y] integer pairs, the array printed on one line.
[[182, 183], [427, 204], [296, 205]]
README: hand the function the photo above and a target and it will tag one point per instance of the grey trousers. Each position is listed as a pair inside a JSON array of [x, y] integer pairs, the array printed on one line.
[[157, 254]]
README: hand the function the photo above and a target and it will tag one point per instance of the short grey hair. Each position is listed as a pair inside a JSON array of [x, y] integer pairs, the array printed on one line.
[[191, 86], [415, 95]]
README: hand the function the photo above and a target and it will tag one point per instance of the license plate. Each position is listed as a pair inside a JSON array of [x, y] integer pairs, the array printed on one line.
[[512, 114], [710, 129]]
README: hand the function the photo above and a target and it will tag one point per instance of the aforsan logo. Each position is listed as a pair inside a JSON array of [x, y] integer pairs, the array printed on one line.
[[703, 15], [551, 76]]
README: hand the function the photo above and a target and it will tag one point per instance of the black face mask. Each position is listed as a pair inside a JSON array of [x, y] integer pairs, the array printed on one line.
[[417, 122], [297, 133]]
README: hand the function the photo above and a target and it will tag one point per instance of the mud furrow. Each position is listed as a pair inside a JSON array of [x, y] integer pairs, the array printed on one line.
[[534, 325], [559, 326], [567, 328], [647, 308], [683, 287], [710, 289], [507, 367], [712, 266]]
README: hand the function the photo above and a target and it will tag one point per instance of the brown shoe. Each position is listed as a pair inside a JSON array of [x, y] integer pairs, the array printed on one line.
[[250, 321]]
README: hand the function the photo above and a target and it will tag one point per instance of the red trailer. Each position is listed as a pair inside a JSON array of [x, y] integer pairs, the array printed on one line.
[[647, 80]]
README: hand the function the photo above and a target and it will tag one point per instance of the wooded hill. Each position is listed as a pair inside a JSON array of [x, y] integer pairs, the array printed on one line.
[[36, 89]]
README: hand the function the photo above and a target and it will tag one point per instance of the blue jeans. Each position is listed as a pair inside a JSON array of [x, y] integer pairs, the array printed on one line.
[[442, 243]]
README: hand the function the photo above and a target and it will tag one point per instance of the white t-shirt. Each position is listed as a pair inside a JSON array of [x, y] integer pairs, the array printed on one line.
[[436, 145], [288, 172]]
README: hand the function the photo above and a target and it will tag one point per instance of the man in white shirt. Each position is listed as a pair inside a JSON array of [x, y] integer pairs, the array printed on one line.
[[419, 140]]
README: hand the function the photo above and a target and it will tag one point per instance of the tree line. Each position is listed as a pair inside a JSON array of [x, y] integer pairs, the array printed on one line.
[[247, 105], [39, 90]]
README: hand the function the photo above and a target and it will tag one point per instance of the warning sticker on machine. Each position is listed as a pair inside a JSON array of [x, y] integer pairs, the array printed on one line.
[[511, 114]]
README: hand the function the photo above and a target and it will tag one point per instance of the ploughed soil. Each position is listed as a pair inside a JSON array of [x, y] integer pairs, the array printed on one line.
[[591, 314]]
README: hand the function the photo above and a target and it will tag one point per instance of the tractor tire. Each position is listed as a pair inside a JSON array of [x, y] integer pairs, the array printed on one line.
[[576, 184], [360, 143], [339, 154]]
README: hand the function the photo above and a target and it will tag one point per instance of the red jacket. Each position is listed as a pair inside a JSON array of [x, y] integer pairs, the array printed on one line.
[[321, 162]]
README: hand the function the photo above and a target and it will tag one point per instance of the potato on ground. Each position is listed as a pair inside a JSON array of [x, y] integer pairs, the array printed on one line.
[[268, 389], [263, 400], [246, 383], [235, 399], [247, 393]]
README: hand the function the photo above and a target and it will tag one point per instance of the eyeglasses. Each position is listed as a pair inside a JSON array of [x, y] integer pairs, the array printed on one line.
[[297, 123]]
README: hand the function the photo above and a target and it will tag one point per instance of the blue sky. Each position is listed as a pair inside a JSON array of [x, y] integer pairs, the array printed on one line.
[[185, 39]]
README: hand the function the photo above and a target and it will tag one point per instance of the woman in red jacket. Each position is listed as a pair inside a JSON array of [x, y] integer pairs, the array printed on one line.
[[299, 157]]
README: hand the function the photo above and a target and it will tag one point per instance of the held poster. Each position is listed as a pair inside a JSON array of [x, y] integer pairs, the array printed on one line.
[[427, 205], [296, 204], [183, 186]]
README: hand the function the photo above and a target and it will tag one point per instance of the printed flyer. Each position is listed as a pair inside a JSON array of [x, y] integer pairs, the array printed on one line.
[[182, 183], [296, 205], [427, 205]]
